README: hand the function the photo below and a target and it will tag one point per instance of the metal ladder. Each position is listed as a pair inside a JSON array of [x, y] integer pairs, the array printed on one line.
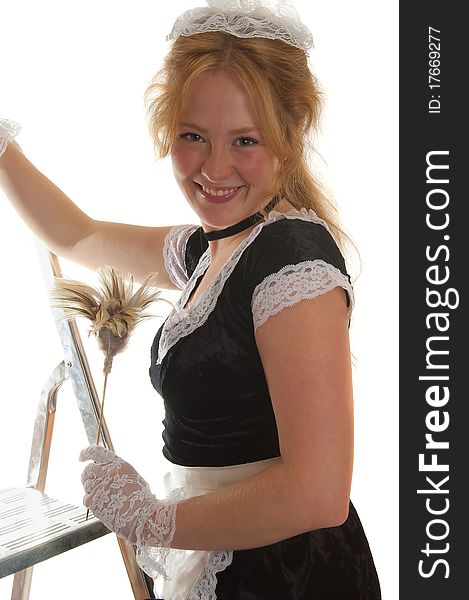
[[33, 526]]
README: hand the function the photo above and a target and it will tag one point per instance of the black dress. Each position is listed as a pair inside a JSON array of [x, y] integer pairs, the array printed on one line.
[[206, 366]]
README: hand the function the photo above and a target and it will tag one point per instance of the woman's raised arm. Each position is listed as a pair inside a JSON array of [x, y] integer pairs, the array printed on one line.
[[68, 232]]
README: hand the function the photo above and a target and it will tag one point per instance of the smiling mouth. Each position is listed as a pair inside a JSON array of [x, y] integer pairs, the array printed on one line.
[[218, 195], [218, 191]]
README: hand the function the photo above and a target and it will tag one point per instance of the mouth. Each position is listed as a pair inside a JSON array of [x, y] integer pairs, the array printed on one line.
[[218, 195]]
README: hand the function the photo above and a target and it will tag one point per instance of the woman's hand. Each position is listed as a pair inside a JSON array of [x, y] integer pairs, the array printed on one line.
[[121, 499]]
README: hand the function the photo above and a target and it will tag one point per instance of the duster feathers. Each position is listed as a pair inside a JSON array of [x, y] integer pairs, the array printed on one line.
[[114, 311]]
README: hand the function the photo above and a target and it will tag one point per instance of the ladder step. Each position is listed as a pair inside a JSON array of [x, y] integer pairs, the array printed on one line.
[[35, 527]]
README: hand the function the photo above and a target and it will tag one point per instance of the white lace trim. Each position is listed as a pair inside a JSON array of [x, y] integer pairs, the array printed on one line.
[[174, 249], [204, 589], [181, 322], [8, 130], [272, 19], [293, 283], [159, 532]]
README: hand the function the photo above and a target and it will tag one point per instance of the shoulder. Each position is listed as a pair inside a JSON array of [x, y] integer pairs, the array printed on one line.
[[290, 239], [294, 257]]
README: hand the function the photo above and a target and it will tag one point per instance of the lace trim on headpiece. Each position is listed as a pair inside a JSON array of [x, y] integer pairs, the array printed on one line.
[[273, 19]]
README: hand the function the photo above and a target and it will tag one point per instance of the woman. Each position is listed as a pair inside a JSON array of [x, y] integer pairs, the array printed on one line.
[[254, 362]]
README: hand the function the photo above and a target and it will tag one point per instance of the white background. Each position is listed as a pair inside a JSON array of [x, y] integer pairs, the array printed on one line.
[[73, 74]]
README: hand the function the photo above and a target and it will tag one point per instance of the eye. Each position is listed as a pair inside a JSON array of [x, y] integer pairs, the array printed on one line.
[[190, 137], [246, 141]]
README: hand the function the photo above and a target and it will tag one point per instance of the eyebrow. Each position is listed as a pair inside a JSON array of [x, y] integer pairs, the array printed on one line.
[[233, 132]]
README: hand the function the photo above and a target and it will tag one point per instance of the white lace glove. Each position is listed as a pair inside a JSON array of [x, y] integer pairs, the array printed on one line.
[[8, 130], [121, 498]]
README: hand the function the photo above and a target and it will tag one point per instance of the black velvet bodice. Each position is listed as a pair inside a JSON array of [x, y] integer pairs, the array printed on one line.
[[218, 409], [217, 404]]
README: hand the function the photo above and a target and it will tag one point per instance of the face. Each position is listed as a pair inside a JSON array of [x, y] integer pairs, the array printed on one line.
[[220, 159]]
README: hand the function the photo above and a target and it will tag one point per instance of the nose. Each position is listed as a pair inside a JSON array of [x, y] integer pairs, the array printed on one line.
[[217, 166]]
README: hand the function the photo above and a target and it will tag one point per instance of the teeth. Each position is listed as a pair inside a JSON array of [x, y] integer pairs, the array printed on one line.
[[218, 192]]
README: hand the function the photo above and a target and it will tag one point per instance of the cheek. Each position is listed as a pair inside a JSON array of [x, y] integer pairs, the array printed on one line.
[[259, 169], [184, 162]]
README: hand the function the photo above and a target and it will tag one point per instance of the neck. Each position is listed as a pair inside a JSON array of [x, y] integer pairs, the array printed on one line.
[[226, 246], [247, 223]]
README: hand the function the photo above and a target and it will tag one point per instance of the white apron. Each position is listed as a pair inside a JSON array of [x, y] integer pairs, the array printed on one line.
[[192, 573]]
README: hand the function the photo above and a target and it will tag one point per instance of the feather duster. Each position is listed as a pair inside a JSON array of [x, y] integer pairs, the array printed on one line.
[[114, 311]]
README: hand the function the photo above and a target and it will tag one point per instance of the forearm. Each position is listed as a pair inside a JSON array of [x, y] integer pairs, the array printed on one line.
[[278, 503], [45, 209], [273, 505], [72, 234]]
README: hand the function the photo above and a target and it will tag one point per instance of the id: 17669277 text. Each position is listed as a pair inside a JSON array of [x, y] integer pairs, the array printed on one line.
[[434, 43]]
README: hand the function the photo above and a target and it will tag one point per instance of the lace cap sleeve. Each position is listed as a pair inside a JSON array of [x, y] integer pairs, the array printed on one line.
[[294, 260], [180, 253]]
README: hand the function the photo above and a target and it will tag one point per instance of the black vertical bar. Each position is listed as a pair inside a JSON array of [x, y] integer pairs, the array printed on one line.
[[434, 332]]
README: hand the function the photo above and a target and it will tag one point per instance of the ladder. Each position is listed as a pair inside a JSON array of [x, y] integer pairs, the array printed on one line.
[[33, 526]]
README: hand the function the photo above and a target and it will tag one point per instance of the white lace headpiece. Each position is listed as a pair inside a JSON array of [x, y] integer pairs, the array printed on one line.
[[273, 19]]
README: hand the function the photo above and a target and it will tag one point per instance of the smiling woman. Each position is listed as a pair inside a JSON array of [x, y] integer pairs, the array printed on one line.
[[253, 363], [223, 180]]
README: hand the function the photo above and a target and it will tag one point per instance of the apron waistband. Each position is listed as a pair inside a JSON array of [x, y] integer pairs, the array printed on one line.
[[200, 480]]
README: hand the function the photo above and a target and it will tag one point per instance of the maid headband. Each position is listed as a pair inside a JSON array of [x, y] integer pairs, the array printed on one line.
[[273, 19]]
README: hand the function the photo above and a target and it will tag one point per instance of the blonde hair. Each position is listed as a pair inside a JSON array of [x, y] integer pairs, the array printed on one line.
[[284, 93]]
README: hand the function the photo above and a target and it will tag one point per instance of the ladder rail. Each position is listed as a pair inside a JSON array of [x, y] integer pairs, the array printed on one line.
[[76, 368], [76, 364], [43, 429]]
